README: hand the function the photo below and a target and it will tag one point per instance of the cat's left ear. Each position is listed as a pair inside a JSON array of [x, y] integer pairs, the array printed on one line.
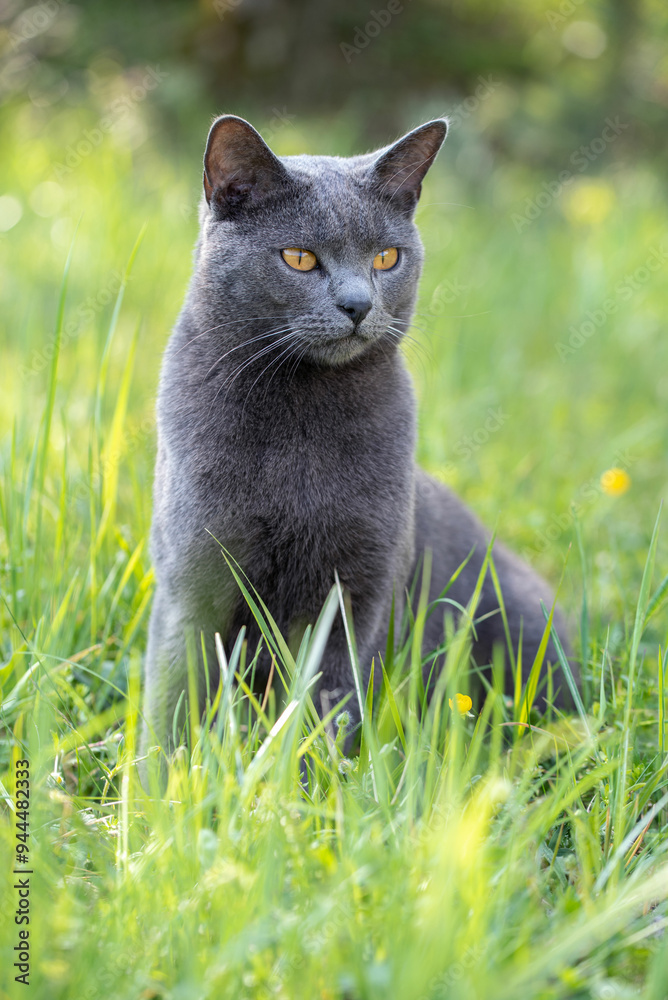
[[399, 170], [239, 168]]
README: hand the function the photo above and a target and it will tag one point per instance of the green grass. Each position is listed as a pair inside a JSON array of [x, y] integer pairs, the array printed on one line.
[[459, 857]]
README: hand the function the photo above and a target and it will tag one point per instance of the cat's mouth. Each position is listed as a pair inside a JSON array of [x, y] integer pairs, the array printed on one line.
[[355, 333], [336, 349]]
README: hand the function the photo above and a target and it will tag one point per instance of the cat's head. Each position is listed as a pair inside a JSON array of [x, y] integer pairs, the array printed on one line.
[[321, 248]]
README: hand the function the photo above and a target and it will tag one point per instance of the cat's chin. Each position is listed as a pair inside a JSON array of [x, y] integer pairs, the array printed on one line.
[[335, 351]]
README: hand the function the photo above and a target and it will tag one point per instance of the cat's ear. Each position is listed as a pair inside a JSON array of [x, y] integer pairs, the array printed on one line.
[[399, 169], [239, 167]]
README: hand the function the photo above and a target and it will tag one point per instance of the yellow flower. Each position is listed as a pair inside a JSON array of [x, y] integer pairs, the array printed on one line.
[[614, 482], [55, 969], [589, 202], [464, 703]]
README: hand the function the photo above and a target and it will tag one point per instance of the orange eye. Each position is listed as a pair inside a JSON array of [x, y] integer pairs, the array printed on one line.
[[386, 259], [301, 260]]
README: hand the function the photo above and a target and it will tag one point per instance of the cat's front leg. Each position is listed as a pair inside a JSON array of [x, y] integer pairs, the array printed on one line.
[[339, 678], [169, 651]]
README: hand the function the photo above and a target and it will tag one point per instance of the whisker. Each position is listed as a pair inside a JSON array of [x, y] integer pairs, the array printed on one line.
[[419, 348], [255, 357], [287, 356], [246, 343], [229, 381], [219, 326], [300, 356], [258, 354], [284, 355], [408, 323], [407, 340]]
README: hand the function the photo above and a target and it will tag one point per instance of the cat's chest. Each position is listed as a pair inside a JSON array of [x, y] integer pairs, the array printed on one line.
[[307, 462], [303, 465]]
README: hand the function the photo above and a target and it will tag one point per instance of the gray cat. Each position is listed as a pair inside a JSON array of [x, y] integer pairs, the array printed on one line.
[[287, 424]]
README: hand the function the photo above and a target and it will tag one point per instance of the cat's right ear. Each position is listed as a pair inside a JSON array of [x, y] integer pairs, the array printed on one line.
[[239, 168], [399, 169]]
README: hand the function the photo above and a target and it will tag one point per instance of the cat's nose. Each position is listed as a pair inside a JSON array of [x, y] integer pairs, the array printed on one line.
[[356, 308]]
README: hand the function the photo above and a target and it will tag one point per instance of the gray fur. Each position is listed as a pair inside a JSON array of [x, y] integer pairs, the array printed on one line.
[[287, 432]]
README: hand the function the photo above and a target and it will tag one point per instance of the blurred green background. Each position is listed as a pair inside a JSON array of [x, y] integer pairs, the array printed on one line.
[[541, 358]]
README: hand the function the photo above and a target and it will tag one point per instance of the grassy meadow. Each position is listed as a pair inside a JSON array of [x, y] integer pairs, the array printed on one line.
[[460, 855]]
